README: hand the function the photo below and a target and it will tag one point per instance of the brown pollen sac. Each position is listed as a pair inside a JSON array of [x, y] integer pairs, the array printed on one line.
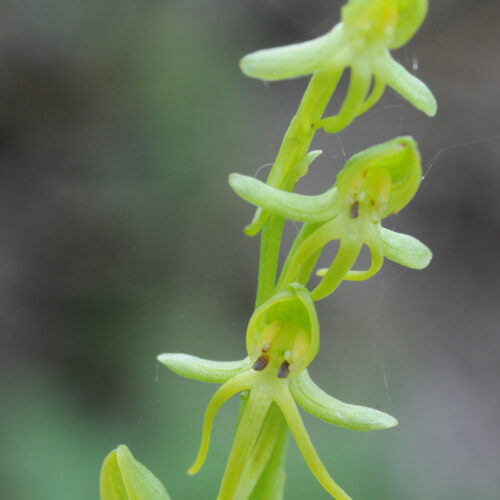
[[260, 363], [354, 210], [284, 370]]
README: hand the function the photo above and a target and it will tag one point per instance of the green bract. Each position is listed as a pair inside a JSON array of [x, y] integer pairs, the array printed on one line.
[[123, 478], [372, 185], [282, 340]]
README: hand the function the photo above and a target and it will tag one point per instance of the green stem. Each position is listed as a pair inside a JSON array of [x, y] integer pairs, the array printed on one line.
[[294, 147], [270, 243]]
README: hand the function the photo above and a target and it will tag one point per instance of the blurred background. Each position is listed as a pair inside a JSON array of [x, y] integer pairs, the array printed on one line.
[[120, 239]]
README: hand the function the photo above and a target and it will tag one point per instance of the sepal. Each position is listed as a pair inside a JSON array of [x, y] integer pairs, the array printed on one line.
[[323, 406], [124, 478], [201, 369], [411, 15], [291, 206], [409, 86], [405, 249], [292, 61]]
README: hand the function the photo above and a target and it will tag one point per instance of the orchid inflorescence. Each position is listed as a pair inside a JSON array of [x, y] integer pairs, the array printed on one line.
[[282, 337]]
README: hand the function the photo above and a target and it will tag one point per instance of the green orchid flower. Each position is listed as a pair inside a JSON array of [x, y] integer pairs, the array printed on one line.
[[124, 478], [375, 183], [361, 42], [282, 340]]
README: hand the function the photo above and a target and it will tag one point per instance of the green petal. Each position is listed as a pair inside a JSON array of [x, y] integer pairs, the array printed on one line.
[[405, 250], [291, 206], [205, 370], [293, 309], [359, 85], [341, 265], [411, 16], [399, 158], [377, 260], [123, 478], [323, 406], [409, 86], [292, 61]]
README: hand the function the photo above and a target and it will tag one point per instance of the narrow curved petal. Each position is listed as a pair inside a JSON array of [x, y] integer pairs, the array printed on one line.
[[249, 427], [230, 388], [342, 263], [312, 244], [410, 87], [377, 260], [323, 406], [375, 95], [405, 249], [201, 369], [291, 206], [292, 61], [285, 402], [359, 85]]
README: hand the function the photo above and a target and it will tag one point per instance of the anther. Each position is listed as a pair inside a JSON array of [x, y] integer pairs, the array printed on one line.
[[284, 370], [266, 347], [261, 363], [354, 210]]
